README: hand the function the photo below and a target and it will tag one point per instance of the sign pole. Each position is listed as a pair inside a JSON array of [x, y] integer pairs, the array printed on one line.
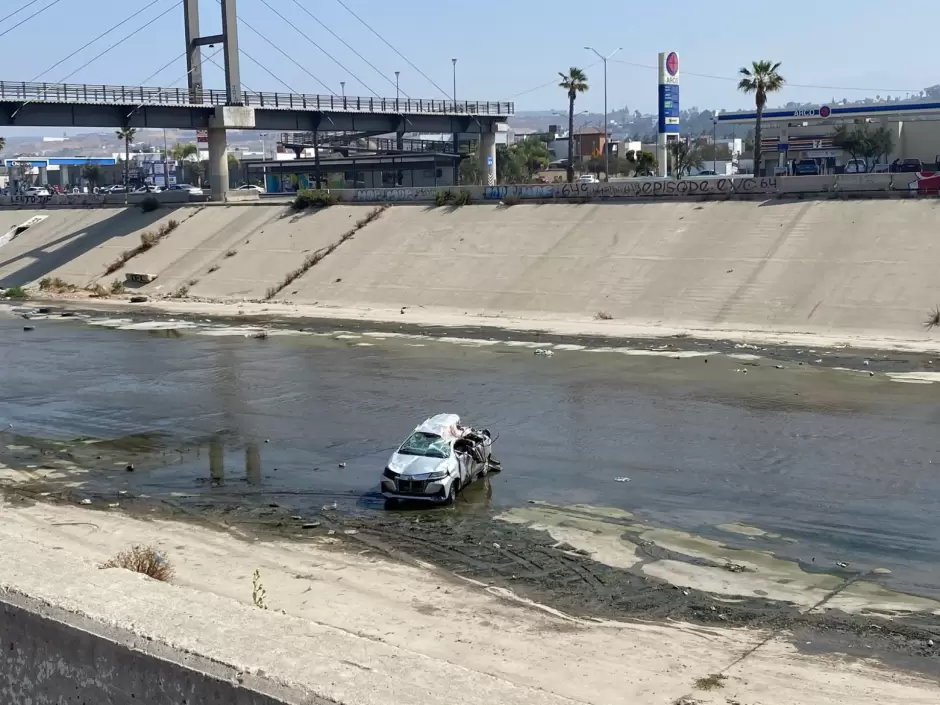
[[668, 107]]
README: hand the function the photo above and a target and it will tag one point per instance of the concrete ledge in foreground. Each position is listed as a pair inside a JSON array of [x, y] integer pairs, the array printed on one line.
[[72, 633]]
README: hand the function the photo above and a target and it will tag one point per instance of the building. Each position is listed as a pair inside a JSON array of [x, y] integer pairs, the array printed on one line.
[[53, 171], [806, 133]]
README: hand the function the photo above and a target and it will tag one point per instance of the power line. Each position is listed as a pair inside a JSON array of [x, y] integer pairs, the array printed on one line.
[[35, 14], [322, 50], [16, 12], [407, 60], [162, 68], [268, 71], [286, 55], [352, 49], [553, 82], [219, 66], [121, 41], [792, 85], [100, 36]]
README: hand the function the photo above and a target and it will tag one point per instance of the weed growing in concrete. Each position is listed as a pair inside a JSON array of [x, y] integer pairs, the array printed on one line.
[[147, 241], [56, 285], [933, 318], [212, 269], [117, 287], [313, 259], [97, 290], [602, 316], [181, 292], [16, 292], [444, 198], [231, 253], [192, 282], [258, 593], [512, 200], [149, 204], [311, 198], [462, 198], [143, 559], [711, 681]]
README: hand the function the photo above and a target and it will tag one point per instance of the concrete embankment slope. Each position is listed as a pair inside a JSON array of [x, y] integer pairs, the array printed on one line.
[[810, 266]]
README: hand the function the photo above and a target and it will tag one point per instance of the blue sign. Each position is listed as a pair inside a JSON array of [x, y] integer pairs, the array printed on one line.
[[669, 108], [489, 161]]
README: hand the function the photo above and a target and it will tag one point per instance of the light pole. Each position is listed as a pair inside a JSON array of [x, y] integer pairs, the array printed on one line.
[[715, 142], [166, 170], [342, 87], [606, 146], [397, 93], [454, 62], [264, 156]]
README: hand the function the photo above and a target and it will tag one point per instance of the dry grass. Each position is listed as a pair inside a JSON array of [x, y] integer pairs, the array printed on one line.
[[143, 559], [181, 292], [603, 316], [147, 241], [512, 200], [314, 258], [712, 681], [117, 287], [56, 285], [213, 268], [933, 318], [231, 253], [258, 593]]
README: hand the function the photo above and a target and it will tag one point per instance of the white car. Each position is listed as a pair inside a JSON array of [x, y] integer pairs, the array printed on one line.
[[856, 166], [588, 179], [193, 190], [37, 191], [149, 189], [437, 460], [250, 187]]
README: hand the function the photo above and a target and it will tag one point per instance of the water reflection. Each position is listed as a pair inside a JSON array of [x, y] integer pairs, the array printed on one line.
[[217, 463], [253, 464]]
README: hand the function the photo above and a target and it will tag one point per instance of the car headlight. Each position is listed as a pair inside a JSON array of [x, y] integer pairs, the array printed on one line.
[[390, 474], [439, 475]]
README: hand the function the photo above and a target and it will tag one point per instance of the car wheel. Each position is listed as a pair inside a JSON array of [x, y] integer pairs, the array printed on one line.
[[452, 493]]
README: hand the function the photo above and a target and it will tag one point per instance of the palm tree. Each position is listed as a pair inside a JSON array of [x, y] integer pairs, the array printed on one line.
[[3, 143], [182, 152], [761, 79], [574, 82], [127, 134]]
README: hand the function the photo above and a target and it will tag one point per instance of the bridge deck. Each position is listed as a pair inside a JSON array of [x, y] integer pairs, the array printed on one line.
[[90, 94]]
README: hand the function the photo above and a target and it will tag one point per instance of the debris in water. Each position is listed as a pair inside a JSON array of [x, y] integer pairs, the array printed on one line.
[[621, 479], [779, 367], [130, 467], [260, 335], [842, 564], [735, 568], [28, 328], [297, 518], [496, 546], [342, 465], [138, 299], [113, 505], [310, 525], [86, 501], [542, 351], [329, 507]]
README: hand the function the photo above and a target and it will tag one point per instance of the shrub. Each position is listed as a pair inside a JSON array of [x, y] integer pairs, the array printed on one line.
[[212, 269], [45, 283], [181, 292], [258, 593], [117, 287], [143, 559], [149, 239], [444, 198], [512, 199], [602, 316], [462, 198], [149, 204], [312, 198], [231, 253], [16, 292], [172, 225], [96, 290], [933, 318]]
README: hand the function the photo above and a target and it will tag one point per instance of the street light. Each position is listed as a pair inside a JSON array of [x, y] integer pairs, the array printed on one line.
[[454, 62], [606, 146], [396, 89], [715, 142], [342, 87]]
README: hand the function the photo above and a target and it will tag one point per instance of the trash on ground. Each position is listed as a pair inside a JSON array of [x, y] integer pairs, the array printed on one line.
[[544, 352], [621, 479], [842, 564], [329, 507], [86, 501]]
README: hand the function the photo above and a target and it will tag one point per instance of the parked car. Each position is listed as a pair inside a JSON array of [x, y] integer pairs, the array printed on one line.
[[805, 167], [707, 172], [437, 460], [588, 179], [114, 188], [37, 191], [148, 188], [907, 165], [193, 190], [856, 166], [250, 187]]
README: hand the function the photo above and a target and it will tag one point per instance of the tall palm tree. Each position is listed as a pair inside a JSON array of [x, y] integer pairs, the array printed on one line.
[[3, 143], [182, 153], [761, 80], [127, 134], [574, 82]]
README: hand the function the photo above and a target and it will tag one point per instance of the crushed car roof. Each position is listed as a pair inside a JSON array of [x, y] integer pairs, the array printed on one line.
[[443, 425]]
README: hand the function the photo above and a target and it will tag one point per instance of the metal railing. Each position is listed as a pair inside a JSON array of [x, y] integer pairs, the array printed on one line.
[[379, 144], [92, 94]]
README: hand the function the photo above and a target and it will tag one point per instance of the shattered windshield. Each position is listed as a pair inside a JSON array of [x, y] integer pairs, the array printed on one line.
[[426, 444]]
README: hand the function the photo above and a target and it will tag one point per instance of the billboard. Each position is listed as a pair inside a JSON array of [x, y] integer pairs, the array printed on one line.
[[668, 93]]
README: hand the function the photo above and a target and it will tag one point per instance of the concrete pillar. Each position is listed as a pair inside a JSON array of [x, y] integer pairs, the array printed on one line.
[[218, 163], [43, 176], [488, 157], [662, 156], [63, 175]]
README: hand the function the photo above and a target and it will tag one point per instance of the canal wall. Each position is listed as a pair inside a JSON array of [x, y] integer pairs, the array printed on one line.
[[814, 265]]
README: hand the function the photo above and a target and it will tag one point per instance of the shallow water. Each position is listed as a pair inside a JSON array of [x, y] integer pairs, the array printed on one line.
[[842, 465]]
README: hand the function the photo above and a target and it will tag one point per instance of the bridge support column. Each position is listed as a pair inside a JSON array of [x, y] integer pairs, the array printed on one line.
[[218, 163], [488, 157]]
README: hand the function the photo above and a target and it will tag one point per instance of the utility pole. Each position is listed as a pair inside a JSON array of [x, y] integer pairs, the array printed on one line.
[[166, 168], [715, 141], [606, 124]]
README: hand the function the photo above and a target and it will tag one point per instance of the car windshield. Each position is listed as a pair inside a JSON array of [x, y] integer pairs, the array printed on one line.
[[426, 444]]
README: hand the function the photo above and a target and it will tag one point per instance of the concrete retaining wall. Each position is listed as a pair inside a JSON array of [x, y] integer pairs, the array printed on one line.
[[51, 656]]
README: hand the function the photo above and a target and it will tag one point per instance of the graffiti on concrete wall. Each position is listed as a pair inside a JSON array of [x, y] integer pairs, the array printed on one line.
[[396, 195], [635, 188]]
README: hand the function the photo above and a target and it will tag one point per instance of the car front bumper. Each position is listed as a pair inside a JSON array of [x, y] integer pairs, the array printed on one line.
[[418, 490]]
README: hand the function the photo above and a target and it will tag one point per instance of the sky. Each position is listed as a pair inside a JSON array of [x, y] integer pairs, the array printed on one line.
[[505, 51]]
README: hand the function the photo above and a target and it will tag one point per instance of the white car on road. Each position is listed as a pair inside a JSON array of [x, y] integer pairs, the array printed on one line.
[[250, 187], [37, 191]]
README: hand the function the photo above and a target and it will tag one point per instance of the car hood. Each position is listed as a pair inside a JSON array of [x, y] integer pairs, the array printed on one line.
[[410, 465]]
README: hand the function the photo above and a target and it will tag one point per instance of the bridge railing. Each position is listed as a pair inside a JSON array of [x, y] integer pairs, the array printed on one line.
[[141, 95]]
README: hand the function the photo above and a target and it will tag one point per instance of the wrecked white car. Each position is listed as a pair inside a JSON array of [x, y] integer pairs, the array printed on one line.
[[437, 460]]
